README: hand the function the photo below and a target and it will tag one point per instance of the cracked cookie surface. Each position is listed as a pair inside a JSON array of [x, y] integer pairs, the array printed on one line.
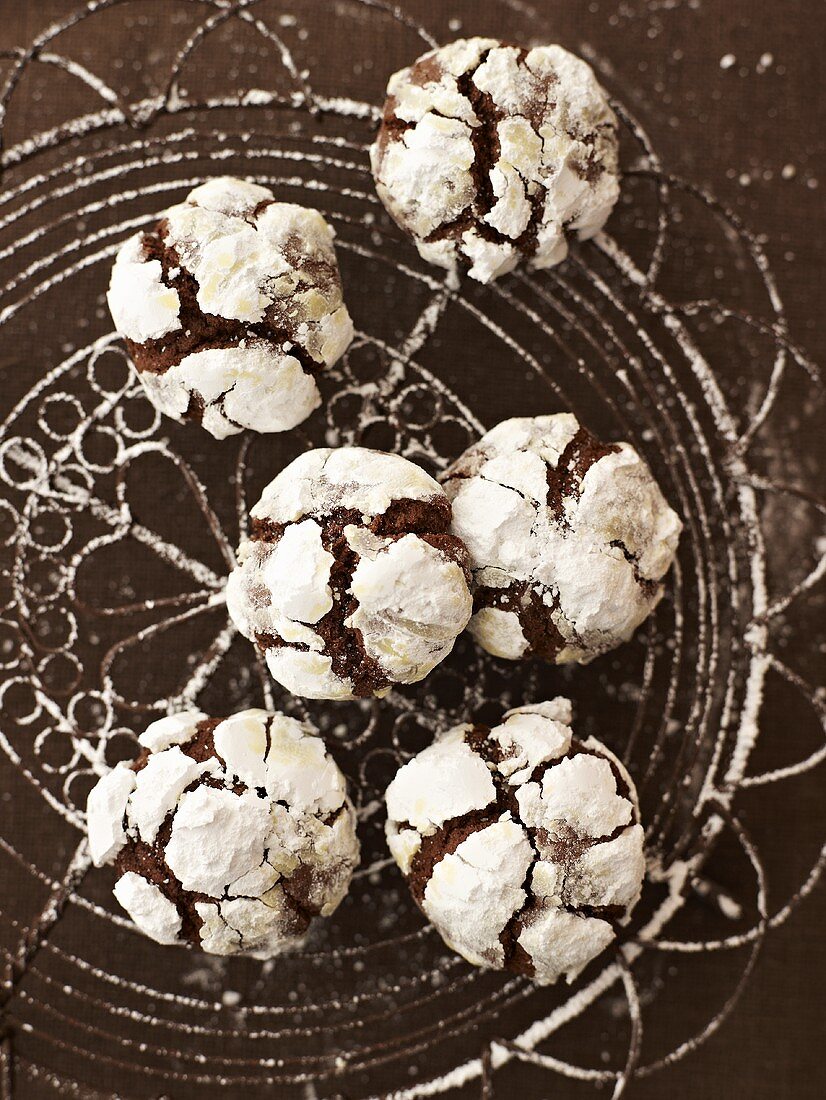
[[349, 580], [230, 307], [569, 538], [520, 844], [489, 155], [228, 834]]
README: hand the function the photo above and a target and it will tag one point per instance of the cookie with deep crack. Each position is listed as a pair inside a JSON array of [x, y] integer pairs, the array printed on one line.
[[522, 845], [350, 581], [569, 538], [229, 834], [230, 307], [489, 155]]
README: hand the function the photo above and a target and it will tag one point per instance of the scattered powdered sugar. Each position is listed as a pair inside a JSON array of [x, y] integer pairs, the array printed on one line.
[[558, 866]]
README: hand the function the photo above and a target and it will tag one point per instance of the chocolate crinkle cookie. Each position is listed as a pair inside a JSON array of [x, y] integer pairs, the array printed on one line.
[[228, 834], [569, 539], [489, 155], [349, 581], [520, 844], [230, 307]]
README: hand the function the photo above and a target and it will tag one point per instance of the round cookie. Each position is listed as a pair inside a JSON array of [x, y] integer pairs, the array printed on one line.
[[349, 581], [227, 834], [519, 843], [230, 307], [489, 155], [569, 538]]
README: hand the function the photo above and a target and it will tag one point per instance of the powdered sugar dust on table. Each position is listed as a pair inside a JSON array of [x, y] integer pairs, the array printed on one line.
[[118, 532]]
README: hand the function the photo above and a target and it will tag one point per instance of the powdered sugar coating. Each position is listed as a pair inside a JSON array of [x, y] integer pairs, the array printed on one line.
[[230, 307], [158, 788], [325, 479], [349, 581], [445, 780], [576, 938], [142, 306], [411, 604], [217, 838], [474, 891], [521, 844], [172, 729], [105, 813], [231, 838], [580, 796], [251, 386], [569, 538], [155, 915], [489, 155]]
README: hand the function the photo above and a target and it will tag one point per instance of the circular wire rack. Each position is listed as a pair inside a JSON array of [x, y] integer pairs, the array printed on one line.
[[118, 530]]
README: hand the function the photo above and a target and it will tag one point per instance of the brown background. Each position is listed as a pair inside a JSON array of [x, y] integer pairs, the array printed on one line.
[[753, 133]]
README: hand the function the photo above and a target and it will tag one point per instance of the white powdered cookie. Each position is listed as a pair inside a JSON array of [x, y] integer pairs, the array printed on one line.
[[491, 155], [230, 308], [349, 581], [569, 538], [229, 834], [520, 844]]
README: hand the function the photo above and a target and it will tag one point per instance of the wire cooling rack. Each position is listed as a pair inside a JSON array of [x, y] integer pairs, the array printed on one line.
[[118, 529]]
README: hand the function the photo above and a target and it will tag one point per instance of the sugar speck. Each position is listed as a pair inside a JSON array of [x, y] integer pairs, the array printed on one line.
[[727, 60]]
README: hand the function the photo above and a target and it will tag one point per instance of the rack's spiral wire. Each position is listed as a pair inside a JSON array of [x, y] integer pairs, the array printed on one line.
[[109, 591]]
